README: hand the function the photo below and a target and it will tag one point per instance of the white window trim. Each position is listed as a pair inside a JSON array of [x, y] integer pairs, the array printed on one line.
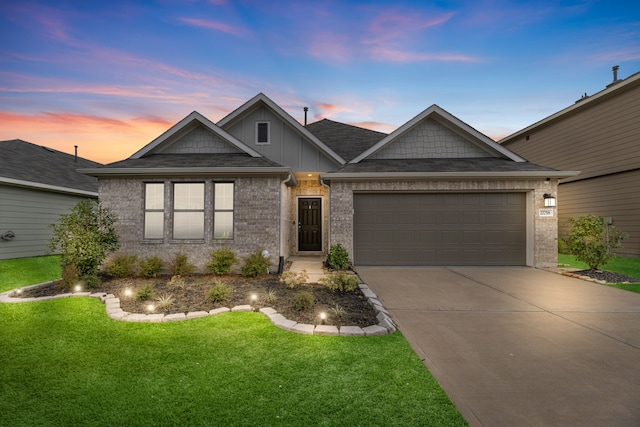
[[268, 123]]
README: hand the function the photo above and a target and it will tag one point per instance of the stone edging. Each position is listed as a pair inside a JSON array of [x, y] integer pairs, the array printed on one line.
[[569, 272], [385, 324]]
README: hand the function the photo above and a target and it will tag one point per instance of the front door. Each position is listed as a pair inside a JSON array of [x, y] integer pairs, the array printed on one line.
[[310, 224]]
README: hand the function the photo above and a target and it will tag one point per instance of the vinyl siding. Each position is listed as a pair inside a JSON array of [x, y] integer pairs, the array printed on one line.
[[616, 196], [28, 213], [598, 140]]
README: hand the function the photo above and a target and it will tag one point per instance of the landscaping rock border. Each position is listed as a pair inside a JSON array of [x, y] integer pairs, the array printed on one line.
[[112, 305]]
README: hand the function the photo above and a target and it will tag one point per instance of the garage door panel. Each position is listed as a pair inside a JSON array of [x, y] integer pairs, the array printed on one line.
[[440, 229]]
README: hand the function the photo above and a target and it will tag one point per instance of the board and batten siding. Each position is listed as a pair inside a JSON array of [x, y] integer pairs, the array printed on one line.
[[29, 213]]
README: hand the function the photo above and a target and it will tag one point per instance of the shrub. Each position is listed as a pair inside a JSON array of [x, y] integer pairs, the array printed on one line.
[[177, 281], [221, 261], [293, 279], [592, 240], [270, 296], [341, 282], [255, 265], [84, 237], [181, 265], [150, 267], [338, 257], [70, 275], [121, 266], [302, 301], [91, 281], [219, 292], [144, 293], [337, 310], [165, 300]]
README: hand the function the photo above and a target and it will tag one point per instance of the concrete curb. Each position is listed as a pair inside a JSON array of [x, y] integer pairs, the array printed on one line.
[[115, 311]]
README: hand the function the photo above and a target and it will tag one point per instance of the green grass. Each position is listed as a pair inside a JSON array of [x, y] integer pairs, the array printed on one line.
[[65, 362], [626, 266], [28, 271]]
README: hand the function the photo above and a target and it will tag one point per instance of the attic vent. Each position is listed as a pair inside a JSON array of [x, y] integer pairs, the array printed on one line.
[[262, 133]]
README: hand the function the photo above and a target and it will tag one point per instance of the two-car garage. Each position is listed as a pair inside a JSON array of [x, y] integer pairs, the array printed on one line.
[[459, 228]]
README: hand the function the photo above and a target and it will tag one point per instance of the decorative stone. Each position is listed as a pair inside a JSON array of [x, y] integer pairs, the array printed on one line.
[[197, 314], [351, 331], [303, 328], [135, 317], [242, 308], [267, 311], [154, 318], [174, 316], [326, 330], [375, 330], [219, 311]]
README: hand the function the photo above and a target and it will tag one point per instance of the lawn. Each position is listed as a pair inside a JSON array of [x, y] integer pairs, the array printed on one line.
[[64, 362], [626, 266]]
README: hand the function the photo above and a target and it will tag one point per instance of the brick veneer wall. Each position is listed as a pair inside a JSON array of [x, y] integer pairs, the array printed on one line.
[[542, 238], [256, 219]]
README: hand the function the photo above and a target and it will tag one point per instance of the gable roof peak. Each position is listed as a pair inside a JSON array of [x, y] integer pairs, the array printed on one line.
[[453, 122], [184, 125]]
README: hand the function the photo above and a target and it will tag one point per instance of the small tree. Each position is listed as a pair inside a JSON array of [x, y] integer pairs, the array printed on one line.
[[592, 240], [84, 237]]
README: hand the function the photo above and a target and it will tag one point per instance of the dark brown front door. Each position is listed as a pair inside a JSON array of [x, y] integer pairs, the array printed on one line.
[[310, 224]]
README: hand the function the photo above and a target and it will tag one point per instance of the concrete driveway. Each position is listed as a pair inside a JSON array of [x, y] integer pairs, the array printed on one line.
[[517, 346]]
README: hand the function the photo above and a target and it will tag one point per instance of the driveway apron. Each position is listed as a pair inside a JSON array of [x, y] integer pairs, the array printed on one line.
[[517, 346]]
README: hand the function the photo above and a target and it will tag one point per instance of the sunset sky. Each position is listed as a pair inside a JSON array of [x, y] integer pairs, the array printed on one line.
[[110, 76]]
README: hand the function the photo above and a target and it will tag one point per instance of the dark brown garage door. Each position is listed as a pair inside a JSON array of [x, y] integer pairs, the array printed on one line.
[[440, 229]]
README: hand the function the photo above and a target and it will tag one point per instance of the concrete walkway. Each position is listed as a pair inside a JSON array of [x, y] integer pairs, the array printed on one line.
[[311, 264], [520, 346]]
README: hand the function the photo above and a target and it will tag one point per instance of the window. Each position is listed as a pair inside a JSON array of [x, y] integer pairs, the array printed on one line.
[[188, 210], [153, 210], [262, 133], [223, 210]]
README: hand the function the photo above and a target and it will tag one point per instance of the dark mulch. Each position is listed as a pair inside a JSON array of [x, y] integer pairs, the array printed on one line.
[[607, 276], [188, 294]]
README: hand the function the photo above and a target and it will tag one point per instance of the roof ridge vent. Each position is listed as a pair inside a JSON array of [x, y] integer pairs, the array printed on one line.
[[615, 69]]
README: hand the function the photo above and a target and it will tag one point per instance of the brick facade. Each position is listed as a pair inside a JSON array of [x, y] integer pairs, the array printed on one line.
[[256, 219]]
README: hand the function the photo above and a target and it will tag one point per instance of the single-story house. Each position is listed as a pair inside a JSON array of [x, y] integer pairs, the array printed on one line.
[[37, 185], [597, 135], [433, 192]]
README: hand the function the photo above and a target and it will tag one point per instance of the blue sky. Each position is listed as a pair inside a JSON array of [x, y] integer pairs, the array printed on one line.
[[112, 76]]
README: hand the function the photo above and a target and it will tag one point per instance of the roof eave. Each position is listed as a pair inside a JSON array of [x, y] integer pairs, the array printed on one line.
[[175, 171], [395, 176], [47, 187], [594, 99]]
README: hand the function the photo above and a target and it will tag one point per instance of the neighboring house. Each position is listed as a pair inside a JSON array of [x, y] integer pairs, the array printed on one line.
[[37, 185], [434, 192], [598, 135]]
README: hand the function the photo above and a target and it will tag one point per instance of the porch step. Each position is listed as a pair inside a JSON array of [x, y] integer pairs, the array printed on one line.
[[312, 265]]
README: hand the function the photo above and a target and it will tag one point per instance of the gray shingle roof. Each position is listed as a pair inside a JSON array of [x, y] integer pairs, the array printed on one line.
[[24, 161], [485, 164], [239, 160], [346, 140]]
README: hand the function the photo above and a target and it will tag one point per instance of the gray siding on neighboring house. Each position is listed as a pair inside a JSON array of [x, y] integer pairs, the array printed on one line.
[[29, 213], [599, 138], [613, 196]]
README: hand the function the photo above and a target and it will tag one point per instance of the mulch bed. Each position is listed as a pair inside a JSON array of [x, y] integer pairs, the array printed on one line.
[[188, 294], [607, 276]]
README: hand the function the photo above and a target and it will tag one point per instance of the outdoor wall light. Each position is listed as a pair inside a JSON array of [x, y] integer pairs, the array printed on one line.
[[549, 201]]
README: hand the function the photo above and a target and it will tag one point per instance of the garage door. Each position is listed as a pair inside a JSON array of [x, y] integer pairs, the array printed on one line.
[[440, 229]]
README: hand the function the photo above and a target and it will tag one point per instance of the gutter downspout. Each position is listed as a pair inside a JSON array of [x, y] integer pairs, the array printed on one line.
[[283, 183], [328, 187]]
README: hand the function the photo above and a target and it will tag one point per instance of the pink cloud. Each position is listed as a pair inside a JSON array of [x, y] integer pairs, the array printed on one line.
[[329, 110], [381, 53], [217, 26], [377, 126], [103, 139]]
